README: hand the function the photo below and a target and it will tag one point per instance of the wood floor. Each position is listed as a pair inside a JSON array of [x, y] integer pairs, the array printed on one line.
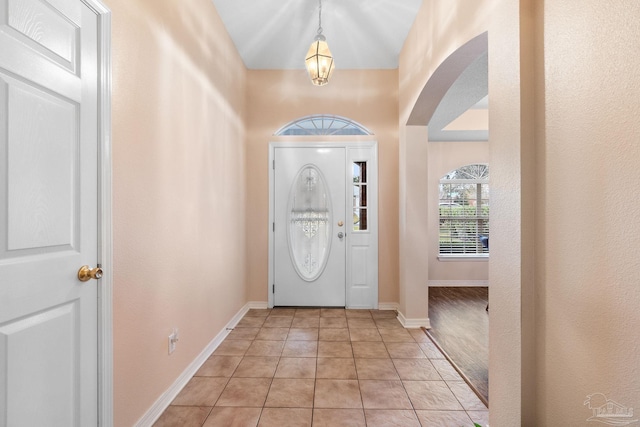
[[460, 326]]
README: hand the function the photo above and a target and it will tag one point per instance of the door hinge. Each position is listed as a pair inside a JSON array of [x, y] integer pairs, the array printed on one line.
[[274, 227], [273, 289], [273, 164]]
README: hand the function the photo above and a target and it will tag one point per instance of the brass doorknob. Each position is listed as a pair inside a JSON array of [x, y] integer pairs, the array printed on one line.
[[85, 273]]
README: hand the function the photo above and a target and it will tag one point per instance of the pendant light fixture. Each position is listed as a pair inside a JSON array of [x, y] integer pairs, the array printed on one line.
[[319, 61]]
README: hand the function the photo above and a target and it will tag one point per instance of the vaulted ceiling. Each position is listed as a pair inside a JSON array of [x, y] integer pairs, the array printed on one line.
[[362, 34]]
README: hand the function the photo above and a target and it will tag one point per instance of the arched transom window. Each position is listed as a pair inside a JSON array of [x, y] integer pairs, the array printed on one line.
[[323, 125]]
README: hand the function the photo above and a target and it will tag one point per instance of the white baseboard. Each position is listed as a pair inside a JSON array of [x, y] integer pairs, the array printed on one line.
[[388, 306], [163, 402], [458, 283], [257, 305], [413, 323]]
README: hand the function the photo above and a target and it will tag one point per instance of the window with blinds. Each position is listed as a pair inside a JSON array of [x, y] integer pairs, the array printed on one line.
[[464, 211]]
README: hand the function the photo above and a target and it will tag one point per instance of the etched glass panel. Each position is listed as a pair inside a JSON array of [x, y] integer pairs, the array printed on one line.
[[309, 223]]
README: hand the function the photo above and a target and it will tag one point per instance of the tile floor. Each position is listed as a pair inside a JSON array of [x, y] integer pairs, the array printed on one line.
[[325, 367]]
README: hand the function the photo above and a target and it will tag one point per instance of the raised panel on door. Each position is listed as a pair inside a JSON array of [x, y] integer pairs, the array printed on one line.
[[48, 213]]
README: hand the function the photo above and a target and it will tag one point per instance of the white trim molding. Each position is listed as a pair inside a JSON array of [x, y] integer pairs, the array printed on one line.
[[163, 402], [413, 323], [105, 233], [458, 283], [258, 305], [388, 306]]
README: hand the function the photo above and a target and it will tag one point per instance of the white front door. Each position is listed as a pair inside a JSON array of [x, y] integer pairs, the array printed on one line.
[[310, 226], [48, 213]]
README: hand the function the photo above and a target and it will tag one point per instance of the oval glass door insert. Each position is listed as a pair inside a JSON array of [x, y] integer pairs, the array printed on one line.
[[310, 219]]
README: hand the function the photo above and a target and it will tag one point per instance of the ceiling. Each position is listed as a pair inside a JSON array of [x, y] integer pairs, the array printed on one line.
[[362, 34], [276, 34]]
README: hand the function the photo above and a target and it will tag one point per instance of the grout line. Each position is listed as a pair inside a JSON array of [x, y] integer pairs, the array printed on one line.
[[453, 364]]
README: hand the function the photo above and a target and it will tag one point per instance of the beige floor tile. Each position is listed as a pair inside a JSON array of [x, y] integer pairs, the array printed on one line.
[[303, 334], [283, 312], [419, 336], [446, 371], [277, 322], [233, 417], [396, 335], [219, 366], [332, 312], [338, 417], [183, 416], [405, 350], [370, 350], [431, 350], [431, 395], [305, 322], [356, 313], [307, 312], [257, 367], [376, 369], [384, 314], [243, 334], [336, 368], [250, 322], [285, 417], [232, 348], [360, 323], [290, 393], [258, 312], [201, 391], [416, 370], [273, 334], [245, 392], [386, 323], [368, 334], [384, 395], [334, 349], [392, 418], [480, 417], [333, 322], [337, 394], [265, 348], [444, 418], [334, 334], [300, 349], [467, 398], [296, 367]]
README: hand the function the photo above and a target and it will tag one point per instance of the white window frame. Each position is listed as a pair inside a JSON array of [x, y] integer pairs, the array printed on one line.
[[462, 214]]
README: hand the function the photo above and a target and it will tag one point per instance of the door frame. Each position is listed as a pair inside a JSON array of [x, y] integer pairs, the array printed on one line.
[[105, 236], [353, 144]]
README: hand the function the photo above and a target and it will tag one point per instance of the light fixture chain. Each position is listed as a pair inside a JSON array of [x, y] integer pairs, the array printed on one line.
[[320, 17]]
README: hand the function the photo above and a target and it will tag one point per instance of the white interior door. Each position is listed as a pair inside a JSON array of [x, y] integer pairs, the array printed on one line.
[[48, 213], [310, 229]]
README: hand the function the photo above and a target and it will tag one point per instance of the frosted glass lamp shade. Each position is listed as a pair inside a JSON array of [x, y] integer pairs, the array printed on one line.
[[319, 62]]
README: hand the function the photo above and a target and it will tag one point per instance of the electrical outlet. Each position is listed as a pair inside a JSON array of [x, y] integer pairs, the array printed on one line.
[[173, 340]]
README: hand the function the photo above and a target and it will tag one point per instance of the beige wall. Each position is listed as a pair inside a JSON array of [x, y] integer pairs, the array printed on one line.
[[178, 191], [275, 98], [438, 31], [564, 155], [588, 272], [443, 158]]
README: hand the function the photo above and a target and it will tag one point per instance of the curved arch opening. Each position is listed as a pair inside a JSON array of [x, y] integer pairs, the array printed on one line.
[[457, 87]]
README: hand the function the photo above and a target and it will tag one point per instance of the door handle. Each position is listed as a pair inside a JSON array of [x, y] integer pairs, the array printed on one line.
[[340, 235], [85, 273]]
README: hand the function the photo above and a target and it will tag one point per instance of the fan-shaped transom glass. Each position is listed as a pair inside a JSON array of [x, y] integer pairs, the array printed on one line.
[[323, 125], [309, 229]]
